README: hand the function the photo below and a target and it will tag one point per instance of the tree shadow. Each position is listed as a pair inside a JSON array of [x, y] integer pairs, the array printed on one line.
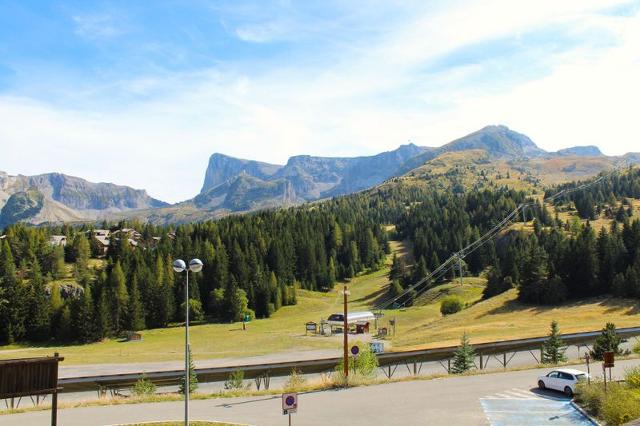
[[375, 298], [613, 304]]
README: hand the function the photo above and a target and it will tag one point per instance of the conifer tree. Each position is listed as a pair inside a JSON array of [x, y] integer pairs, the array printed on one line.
[[608, 340], [193, 378], [464, 356], [332, 275], [82, 252], [39, 311], [553, 348], [65, 332], [12, 314], [103, 317], [58, 267], [119, 297], [135, 316], [83, 316]]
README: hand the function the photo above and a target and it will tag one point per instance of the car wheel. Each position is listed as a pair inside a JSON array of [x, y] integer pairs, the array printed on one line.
[[541, 384], [568, 391]]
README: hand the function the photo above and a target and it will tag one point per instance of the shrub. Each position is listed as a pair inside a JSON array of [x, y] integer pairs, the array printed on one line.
[[621, 405], [451, 305], [195, 310], [632, 377], [363, 366], [143, 387], [590, 396], [235, 380], [295, 381]]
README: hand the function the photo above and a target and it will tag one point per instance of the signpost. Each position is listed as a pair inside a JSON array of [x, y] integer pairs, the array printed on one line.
[[345, 342], [608, 362], [245, 319], [311, 326], [355, 350], [587, 358], [31, 376], [289, 404]]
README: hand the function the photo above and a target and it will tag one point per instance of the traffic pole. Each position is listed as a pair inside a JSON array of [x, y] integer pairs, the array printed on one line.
[[187, 385], [345, 337]]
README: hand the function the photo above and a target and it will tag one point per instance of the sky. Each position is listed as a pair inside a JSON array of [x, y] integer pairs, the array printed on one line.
[[141, 93]]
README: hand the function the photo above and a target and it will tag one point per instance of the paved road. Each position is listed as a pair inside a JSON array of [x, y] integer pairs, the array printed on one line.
[[448, 401]]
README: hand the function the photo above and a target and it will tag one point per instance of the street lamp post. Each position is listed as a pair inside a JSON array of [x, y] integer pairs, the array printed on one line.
[[195, 265], [345, 341]]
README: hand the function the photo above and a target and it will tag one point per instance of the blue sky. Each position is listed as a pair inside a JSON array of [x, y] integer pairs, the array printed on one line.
[[142, 92]]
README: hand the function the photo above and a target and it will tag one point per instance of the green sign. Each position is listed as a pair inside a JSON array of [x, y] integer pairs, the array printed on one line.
[[247, 318]]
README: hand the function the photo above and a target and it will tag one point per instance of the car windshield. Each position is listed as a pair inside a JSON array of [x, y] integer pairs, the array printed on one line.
[[581, 376], [336, 317]]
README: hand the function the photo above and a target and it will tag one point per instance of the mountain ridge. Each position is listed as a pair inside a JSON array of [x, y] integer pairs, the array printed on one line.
[[236, 185], [53, 197]]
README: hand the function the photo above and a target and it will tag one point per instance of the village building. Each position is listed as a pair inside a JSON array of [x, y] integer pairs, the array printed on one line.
[[58, 240]]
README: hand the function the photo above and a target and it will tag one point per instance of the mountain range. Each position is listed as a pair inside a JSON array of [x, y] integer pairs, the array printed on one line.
[[233, 185]]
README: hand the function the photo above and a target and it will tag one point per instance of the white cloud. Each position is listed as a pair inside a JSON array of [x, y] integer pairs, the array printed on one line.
[[373, 97]]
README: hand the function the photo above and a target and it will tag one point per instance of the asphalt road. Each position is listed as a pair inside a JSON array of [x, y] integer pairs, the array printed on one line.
[[513, 400]]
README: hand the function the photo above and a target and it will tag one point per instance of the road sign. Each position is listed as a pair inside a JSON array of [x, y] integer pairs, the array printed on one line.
[[609, 359], [376, 347], [289, 403], [355, 350], [311, 326]]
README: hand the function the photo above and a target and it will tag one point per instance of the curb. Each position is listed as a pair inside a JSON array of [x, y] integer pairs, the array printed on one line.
[[584, 413]]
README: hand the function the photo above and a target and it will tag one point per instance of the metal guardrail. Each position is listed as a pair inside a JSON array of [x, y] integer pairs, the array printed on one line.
[[256, 371]]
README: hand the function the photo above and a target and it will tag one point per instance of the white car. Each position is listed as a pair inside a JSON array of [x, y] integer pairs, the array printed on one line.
[[562, 379]]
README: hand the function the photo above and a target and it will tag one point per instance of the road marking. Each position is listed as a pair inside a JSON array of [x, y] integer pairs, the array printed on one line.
[[517, 393], [521, 407]]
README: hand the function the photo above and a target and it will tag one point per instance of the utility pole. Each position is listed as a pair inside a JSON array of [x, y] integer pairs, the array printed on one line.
[[460, 267], [345, 336]]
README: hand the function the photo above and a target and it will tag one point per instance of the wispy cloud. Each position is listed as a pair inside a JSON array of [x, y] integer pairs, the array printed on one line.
[[98, 26], [562, 72]]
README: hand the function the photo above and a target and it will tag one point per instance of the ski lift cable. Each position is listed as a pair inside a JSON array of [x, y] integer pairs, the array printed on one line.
[[486, 237]]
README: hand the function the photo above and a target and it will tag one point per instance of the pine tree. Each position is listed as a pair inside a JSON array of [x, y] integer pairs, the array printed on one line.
[[103, 317], [82, 317], [553, 348], [135, 316], [395, 289], [332, 272], [420, 271], [119, 297], [13, 312], [193, 377], [534, 275], [58, 267], [39, 316], [65, 332], [82, 252], [464, 356], [608, 340]]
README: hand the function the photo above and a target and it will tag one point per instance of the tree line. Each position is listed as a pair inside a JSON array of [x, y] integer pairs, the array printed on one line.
[[253, 265]]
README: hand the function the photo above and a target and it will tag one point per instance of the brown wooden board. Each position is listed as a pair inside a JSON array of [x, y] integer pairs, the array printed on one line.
[[609, 359], [28, 376]]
